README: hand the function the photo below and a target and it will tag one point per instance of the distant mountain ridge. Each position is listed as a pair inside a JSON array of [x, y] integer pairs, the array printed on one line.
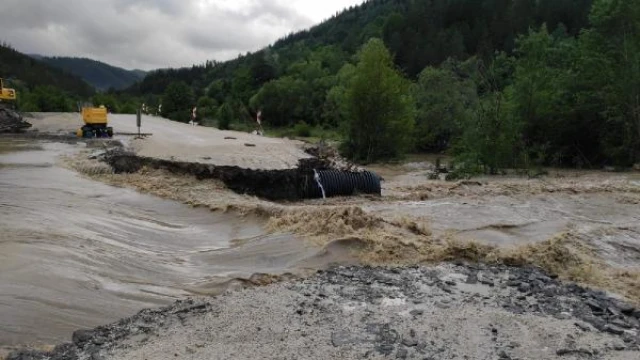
[[18, 67], [100, 75]]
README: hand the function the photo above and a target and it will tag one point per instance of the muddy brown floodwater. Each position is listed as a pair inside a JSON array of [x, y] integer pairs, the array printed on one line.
[[76, 253]]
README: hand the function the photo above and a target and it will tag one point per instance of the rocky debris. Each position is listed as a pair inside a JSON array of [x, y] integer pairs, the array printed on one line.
[[328, 157], [11, 121], [89, 343], [402, 313]]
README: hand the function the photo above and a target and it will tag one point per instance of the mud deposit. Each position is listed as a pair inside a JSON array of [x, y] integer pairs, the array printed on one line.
[[443, 312], [78, 253]]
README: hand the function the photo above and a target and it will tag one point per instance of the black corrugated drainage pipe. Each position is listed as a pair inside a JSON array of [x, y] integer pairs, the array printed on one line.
[[329, 183]]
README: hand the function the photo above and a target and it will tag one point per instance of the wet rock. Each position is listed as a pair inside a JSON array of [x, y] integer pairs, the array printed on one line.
[[99, 340], [620, 323], [524, 287], [98, 154], [613, 329], [614, 311], [619, 347], [341, 338], [385, 349], [97, 356], [388, 335], [583, 326], [488, 282], [596, 322], [594, 305], [472, 278], [80, 337], [441, 305], [630, 337], [626, 309], [636, 314], [410, 342], [566, 351]]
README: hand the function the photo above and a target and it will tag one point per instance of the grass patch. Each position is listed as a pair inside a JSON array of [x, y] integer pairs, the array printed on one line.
[[305, 132]]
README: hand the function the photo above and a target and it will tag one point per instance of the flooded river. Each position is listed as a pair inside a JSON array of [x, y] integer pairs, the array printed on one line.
[[75, 253]]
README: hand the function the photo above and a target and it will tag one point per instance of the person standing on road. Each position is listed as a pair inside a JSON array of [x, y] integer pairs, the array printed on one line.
[[194, 116], [259, 130]]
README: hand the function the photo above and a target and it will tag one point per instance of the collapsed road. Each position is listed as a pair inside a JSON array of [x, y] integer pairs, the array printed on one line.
[[311, 178]]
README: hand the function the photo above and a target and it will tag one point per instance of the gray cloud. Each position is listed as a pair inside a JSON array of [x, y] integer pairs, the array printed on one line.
[[151, 34]]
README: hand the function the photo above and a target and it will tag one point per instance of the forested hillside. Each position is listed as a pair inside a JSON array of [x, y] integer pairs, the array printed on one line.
[[498, 83], [102, 76], [40, 87]]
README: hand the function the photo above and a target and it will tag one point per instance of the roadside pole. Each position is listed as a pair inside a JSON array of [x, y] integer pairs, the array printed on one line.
[[139, 122]]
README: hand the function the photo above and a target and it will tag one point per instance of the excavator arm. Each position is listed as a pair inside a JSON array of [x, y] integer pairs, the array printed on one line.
[[6, 94]]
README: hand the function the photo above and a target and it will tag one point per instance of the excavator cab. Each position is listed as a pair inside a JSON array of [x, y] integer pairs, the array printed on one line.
[[7, 95]]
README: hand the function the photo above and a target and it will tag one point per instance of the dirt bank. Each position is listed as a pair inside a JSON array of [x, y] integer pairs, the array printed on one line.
[[281, 184], [443, 312]]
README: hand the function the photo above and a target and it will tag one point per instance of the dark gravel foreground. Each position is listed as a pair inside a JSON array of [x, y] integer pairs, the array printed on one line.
[[443, 312]]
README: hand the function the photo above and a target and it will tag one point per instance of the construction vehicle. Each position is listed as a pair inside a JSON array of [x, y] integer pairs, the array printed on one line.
[[95, 122], [10, 120], [7, 95]]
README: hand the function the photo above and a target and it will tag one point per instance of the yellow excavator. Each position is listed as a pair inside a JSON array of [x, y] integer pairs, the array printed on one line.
[[95, 122], [7, 95]]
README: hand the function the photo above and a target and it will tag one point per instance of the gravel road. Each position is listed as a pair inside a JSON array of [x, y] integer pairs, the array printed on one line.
[[444, 312]]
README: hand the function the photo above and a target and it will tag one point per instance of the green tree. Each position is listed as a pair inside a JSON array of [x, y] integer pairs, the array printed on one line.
[[542, 96], [334, 111], [610, 65], [219, 90], [283, 102], [178, 102], [261, 70], [444, 100], [207, 108], [491, 138], [380, 107], [46, 99], [108, 100], [225, 115]]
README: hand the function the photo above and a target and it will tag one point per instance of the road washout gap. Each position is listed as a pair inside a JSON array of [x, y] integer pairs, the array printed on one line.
[[376, 239], [275, 185]]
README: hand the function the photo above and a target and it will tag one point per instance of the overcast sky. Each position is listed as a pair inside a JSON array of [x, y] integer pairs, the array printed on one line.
[[150, 34]]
